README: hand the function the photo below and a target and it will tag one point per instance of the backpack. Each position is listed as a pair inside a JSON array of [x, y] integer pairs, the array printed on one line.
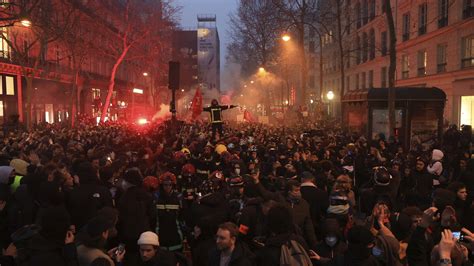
[[293, 254]]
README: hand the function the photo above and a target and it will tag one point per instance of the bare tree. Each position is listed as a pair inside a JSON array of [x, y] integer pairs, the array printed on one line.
[[49, 21]]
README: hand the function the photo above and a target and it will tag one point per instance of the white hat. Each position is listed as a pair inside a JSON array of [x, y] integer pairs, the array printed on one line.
[[148, 238]]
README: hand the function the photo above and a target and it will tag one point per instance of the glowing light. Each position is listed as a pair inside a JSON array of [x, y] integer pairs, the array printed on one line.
[[145, 74], [286, 102], [46, 114], [142, 121], [311, 101], [261, 69], [25, 22], [241, 95], [251, 82], [137, 91], [122, 103], [182, 90], [245, 86], [330, 95], [286, 37]]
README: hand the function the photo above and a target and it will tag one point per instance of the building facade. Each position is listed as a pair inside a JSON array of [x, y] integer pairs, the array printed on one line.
[[435, 48], [53, 75]]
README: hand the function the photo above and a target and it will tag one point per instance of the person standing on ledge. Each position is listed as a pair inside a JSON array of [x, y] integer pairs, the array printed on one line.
[[216, 116]]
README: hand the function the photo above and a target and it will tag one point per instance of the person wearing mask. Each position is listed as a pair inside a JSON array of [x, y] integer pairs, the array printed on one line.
[[150, 252], [359, 249], [230, 251], [332, 244]]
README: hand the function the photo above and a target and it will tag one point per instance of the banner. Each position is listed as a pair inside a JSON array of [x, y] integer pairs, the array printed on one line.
[[196, 106]]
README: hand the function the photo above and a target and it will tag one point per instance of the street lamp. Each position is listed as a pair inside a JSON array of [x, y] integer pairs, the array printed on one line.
[[145, 74], [286, 37], [330, 96], [26, 22]]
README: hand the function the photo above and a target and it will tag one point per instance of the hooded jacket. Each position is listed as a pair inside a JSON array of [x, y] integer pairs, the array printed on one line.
[[436, 168]]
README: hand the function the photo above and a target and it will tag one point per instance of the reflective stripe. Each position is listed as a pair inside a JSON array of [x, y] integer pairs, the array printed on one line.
[[172, 248], [167, 206]]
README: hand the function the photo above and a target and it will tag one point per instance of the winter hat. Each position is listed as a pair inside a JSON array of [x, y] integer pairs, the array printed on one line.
[[382, 177], [437, 155], [133, 176], [148, 238], [5, 172], [20, 166], [338, 203], [54, 223]]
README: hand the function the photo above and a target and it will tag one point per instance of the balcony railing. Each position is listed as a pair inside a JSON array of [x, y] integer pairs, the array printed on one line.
[[468, 12]]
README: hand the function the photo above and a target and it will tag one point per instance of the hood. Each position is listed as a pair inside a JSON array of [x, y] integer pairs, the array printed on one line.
[[437, 155], [5, 172]]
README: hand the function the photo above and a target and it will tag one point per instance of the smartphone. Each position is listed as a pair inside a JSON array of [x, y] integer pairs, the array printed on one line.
[[120, 249], [457, 235], [376, 223]]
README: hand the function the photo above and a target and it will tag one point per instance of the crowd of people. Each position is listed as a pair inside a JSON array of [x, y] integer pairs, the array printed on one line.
[[249, 194]]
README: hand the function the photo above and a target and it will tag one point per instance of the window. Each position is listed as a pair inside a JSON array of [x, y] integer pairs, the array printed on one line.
[[4, 48], [442, 13], [422, 18], [365, 12], [383, 43], [467, 9], [421, 63], [441, 58], [383, 77], [405, 66], [357, 81], [371, 9], [363, 81], [358, 12], [1, 111], [348, 83], [406, 27], [10, 85], [371, 79], [364, 47], [358, 50], [467, 52], [372, 44]]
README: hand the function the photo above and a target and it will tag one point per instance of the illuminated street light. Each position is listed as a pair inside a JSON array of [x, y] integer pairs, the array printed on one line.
[[251, 82], [330, 95], [26, 22], [261, 69], [286, 37], [145, 74]]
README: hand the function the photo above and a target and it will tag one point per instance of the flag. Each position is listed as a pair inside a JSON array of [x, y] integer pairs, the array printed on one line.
[[248, 116], [196, 106]]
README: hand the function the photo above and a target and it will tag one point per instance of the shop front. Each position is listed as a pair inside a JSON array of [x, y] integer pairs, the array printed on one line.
[[418, 114]]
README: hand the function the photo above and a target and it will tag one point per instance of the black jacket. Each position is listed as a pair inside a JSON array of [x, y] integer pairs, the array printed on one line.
[[84, 202], [136, 215], [162, 258], [317, 199], [200, 250], [167, 209], [43, 251], [241, 256]]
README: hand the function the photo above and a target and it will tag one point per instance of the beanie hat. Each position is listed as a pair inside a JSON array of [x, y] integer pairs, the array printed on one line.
[[20, 166], [133, 176], [148, 238], [5, 172], [437, 155]]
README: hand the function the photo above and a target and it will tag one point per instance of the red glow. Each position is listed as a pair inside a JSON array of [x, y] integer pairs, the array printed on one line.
[[142, 121]]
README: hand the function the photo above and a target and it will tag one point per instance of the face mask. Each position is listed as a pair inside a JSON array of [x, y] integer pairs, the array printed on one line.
[[331, 241], [377, 252]]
